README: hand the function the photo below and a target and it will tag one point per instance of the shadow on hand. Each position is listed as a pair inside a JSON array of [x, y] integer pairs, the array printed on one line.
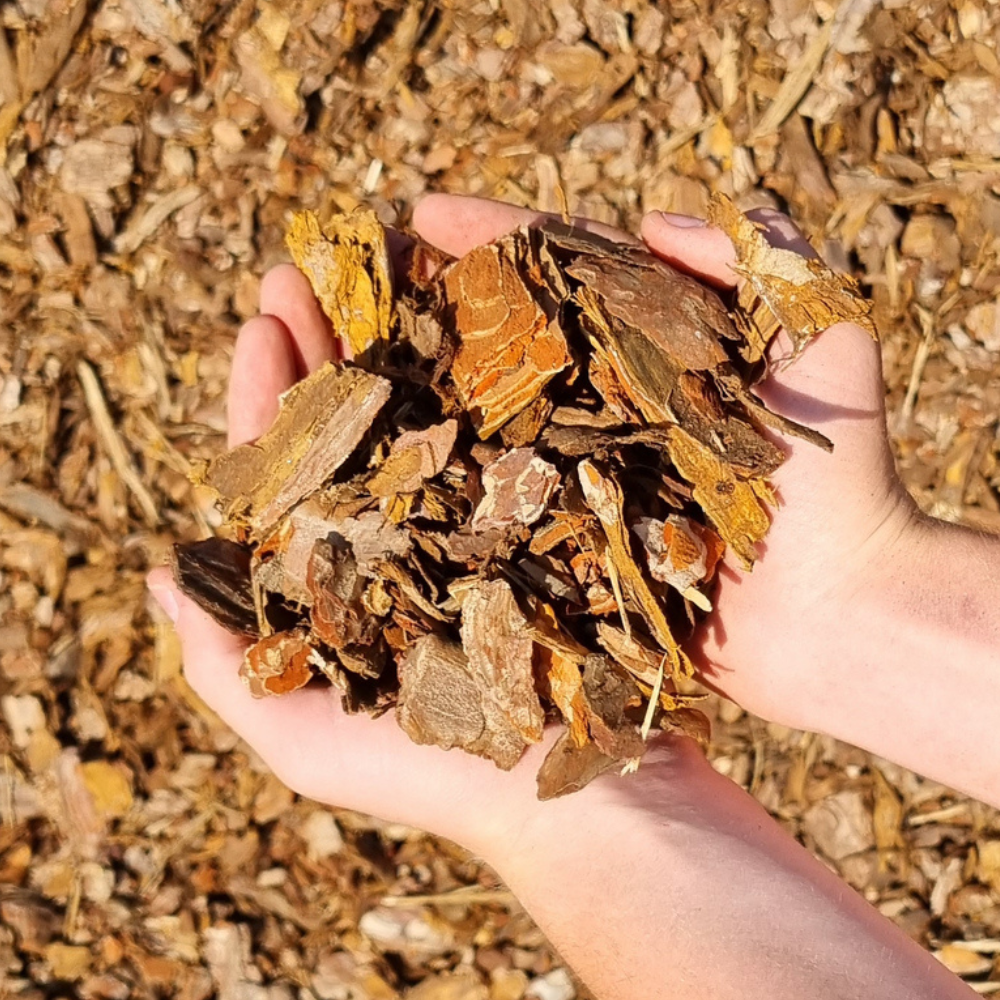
[[809, 410]]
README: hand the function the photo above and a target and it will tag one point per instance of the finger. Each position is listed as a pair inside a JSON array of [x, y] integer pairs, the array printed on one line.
[[160, 583], [198, 632], [286, 294], [264, 367], [457, 223]]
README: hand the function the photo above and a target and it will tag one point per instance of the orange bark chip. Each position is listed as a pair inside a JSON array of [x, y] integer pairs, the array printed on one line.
[[509, 348], [278, 664]]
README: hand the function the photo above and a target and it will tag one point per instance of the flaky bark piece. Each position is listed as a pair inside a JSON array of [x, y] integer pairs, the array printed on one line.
[[699, 402], [565, 680], [509, 346], [605, 380], [336, 588], [730, 382], [414, 457], [215, 574], [438, 701], [347, 264], [281, 559], [600, 699], [681, 553], [500, 650], [633, 374], [321, 421], [373, 539], [677, 314], [567, 238], [805, 296], [604, 497], [527, 425], [443, 702], [642, 663], [610, 693], [569, 767], [518, 487], [279, 664], [731, 504]]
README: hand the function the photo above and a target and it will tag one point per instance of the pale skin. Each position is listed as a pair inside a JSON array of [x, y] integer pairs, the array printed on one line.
[[860, 620]]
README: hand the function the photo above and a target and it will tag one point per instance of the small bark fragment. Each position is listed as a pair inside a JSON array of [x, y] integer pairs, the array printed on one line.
[[680, 316], [278, 664], [415, 457], [336, 587], [610, 693], [441, 702], [567, 768], [518, 488], [677, 555], [604, 497], [731, 504], [347, 264], [500, 652], [566, 688], [800, 294]]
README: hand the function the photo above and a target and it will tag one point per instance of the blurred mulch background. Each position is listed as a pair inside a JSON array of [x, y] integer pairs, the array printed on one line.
[[150, 151]]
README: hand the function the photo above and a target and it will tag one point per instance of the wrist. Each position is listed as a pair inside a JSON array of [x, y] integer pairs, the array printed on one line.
[[925, 606], [677, 853], [848, 632], [535, 837]]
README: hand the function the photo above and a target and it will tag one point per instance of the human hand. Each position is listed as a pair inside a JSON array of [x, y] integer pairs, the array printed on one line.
[[779, 635], [859, 603], [772, 642]]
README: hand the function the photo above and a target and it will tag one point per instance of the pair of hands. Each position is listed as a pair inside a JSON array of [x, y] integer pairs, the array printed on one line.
[[843, 516]]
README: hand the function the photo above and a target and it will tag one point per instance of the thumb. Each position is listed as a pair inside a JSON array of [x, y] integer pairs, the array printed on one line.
[[836, 384], [287, 732], [212, 655]]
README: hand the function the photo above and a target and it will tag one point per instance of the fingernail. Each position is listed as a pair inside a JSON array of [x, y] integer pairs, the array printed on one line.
[[682, 221], [167, 600]]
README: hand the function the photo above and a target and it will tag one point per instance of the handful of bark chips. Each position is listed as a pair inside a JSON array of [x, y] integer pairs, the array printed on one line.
[[508, 509]]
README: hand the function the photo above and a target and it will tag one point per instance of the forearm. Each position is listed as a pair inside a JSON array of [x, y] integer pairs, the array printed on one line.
[[676, 883], [920, 675]]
